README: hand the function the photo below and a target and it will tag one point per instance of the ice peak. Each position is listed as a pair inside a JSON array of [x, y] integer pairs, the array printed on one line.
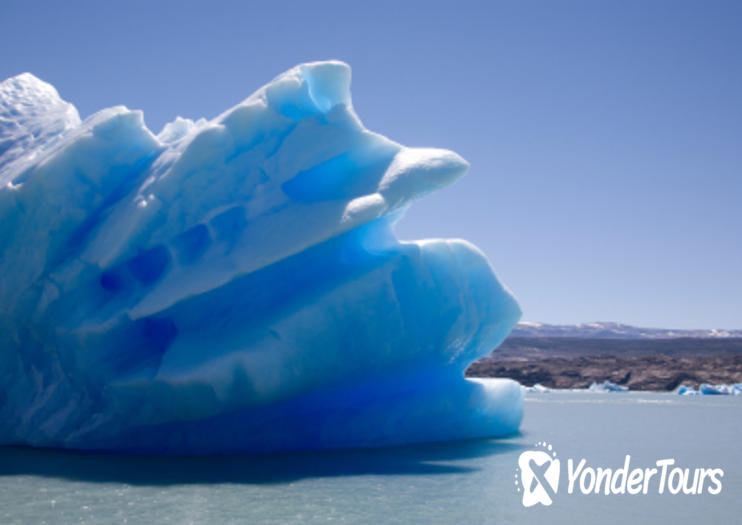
[[31, 114], [26, 81], [26, 93]]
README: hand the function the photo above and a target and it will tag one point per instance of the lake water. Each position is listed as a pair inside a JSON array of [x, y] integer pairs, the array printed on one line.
[[463, 482]]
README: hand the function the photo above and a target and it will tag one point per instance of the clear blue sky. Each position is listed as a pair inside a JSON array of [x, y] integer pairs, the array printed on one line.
[[605, 138]]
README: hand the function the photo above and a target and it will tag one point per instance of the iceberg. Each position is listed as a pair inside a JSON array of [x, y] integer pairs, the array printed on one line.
[[235, 285], [538, 388], [685, 390], [721, 389], [707, 389], [607, 386]]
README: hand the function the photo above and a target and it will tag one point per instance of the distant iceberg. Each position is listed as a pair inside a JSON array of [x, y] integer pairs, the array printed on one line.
[[234, 284], [684, 390], [607, 386], [711, 390]]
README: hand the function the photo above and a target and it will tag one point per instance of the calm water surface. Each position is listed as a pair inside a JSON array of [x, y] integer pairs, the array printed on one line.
[[464, 482]]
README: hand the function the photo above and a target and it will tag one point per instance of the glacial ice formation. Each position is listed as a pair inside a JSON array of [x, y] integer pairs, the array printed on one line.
[[607, 386], [234, 284], [711, 390], [717, 390], [538, 388]]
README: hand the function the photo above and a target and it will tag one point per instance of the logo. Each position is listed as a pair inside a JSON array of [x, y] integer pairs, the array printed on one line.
[[539, 475]]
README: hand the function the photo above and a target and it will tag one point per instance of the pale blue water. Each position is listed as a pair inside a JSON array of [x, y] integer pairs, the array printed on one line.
[[465, 482]]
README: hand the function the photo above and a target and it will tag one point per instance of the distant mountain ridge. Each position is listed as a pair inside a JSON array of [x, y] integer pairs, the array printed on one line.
[[607, 330]]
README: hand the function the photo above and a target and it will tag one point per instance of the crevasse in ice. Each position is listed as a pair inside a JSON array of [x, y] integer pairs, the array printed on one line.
[[234, 284]]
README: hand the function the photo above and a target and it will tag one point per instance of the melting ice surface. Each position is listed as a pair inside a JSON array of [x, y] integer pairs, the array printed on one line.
[[234, 285]]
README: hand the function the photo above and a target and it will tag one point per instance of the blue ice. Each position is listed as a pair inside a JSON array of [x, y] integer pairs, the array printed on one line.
[[234, 285]]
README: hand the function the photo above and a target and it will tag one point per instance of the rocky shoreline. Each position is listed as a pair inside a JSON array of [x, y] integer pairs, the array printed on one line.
[[658, 365]]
